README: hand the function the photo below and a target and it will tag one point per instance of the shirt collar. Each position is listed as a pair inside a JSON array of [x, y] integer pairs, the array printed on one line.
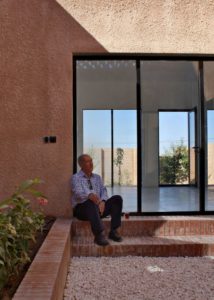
[[82, 174]]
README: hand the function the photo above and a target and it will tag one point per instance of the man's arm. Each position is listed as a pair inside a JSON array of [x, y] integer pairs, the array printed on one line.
[[81, 192]]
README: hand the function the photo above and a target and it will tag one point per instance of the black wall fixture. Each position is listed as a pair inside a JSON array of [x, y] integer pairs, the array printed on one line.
[[49, 139]]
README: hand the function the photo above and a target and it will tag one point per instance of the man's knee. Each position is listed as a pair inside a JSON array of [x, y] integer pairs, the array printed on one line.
[[90, 204], [92, 208], [118, 199]]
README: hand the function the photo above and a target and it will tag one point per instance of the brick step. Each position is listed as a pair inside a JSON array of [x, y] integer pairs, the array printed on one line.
[[146, 246], [154, 226]]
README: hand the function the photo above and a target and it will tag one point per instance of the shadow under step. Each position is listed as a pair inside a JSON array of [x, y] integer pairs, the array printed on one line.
[[146, 246]]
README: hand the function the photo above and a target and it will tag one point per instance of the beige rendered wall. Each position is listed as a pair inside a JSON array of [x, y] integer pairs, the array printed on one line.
[[157, 26], [37, 41]]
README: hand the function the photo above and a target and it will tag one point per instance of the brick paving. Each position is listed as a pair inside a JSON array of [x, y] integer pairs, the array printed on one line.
[[150, 236], [143, 237]]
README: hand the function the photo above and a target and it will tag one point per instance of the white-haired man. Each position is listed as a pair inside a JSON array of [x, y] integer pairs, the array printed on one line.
[[90, 202]]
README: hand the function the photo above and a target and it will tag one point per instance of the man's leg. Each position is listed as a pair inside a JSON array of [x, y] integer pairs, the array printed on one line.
[[113, 207], [89, 211]]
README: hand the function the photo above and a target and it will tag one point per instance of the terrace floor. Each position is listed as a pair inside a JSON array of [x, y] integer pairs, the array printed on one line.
[[178, 272], [163, 199]]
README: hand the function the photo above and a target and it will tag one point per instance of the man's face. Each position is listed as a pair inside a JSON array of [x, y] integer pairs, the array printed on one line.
[[87, 164]]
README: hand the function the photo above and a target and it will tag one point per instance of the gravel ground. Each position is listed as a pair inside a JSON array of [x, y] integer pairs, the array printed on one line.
[[140, 278]]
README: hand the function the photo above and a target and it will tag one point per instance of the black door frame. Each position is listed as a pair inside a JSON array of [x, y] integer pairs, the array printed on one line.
[[200, 58]]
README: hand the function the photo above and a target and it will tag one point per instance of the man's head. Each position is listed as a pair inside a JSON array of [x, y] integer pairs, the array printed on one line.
[[86, 164]]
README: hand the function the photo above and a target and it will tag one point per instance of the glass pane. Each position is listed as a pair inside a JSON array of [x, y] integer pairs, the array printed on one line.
[[173, 148], [209, 125], [125, 155], [97, 141], [169, 86], [103, 87]]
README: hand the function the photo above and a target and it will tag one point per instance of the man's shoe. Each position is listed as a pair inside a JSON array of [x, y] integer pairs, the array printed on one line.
[[113, 235], [101, 240]]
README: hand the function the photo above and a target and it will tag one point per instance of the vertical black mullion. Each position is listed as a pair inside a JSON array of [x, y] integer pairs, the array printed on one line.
[[139, 140], [202, 161], [189, 142], [112, 148], [74, 116]]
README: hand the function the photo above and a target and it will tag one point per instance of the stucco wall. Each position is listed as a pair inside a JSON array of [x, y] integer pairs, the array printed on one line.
[[170, 26], [37, 40]]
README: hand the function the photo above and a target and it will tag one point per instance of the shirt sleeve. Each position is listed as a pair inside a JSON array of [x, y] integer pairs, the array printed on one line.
[[103, 191], [79, 190]]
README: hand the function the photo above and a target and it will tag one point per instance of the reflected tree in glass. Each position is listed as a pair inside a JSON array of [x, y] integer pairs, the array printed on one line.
[[174, 165], [118, 161]]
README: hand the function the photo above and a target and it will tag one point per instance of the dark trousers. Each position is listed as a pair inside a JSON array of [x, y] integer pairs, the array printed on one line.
[[88, 211]]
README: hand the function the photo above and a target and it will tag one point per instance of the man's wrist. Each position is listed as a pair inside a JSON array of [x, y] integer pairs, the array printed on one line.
[[101, 201], [91, 195]]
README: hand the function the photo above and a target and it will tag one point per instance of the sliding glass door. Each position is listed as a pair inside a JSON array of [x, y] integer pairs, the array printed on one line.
[[113, 147], [148, 125], [107, 124], [209, 134], [169, 95]]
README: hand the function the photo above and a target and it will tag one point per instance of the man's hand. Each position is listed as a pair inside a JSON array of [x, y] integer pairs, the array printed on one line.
[[101, 204], [94, 198], [102, 207]]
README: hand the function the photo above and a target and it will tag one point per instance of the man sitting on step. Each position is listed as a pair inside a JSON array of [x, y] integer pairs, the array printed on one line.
[[91, 203]]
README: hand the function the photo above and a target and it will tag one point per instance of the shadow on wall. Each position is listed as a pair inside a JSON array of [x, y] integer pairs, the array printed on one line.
[[82, 40], [37, 40]]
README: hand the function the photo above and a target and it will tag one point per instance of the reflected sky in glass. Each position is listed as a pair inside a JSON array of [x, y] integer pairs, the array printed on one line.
[[173, 128], [125, 129], [210, 126], [97, 128]]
